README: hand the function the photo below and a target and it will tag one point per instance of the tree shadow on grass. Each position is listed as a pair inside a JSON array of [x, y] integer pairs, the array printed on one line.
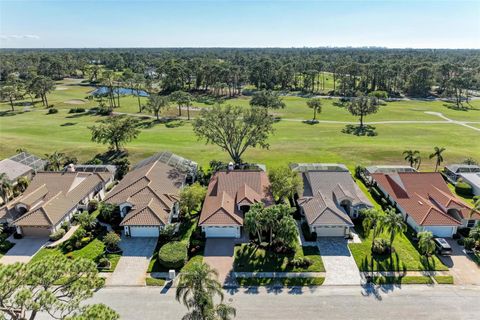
[[366, 130], [68, 124], [10, 113]]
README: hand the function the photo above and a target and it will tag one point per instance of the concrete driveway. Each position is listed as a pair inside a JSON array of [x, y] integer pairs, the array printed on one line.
[[464, 270], [132, 268], [340, 266], [219, 254], [23, 250]]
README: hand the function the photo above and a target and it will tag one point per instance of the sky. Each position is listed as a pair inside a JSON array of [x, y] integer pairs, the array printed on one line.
[[241, 23]]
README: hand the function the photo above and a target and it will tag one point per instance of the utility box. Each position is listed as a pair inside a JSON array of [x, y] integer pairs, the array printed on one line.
[[171, 274]]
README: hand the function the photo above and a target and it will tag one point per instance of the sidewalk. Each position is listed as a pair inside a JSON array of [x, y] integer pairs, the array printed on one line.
[[66, 237], [279, 274]]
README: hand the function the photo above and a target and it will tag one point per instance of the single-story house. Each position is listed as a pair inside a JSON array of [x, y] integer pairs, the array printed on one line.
[[21, 165], [473, 179], [330, 199], [148, 195], [426, 202], [454, 171], [53, 198], [229, 196]]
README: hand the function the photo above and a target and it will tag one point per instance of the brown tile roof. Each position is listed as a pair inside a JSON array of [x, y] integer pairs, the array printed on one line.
[[227, 190], [425, 197], [323, 192], [51, 195], [152, 188]]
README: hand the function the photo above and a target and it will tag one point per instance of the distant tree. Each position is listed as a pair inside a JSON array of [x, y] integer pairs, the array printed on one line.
[[191, 197], [138, 83], [42, 85], [426, 245], [55, 161], [197, 290], [363, 106], [30, 289], [316, 105], [156, 104], [267, 99], [420, 82], [234, 129], [437, 154], [11, 90], [413, 158], [115, 131], [284, 183], [183, 100]]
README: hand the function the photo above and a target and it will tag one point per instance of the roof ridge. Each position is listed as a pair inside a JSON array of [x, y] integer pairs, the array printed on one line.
[[110, 195]]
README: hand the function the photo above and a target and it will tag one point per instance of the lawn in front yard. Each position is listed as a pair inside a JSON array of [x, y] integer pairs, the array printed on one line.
[[405, 258], [403, 280], [252, 258], [287, 282], [92, 251]]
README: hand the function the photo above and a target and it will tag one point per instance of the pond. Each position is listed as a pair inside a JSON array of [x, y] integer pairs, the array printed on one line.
[[123, 91]]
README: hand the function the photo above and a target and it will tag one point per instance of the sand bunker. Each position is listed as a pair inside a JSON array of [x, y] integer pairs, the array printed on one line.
[[61, 88], [75, 101]]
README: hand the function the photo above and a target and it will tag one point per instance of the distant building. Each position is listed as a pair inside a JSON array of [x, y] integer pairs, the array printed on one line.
[[21, 165], [453, 171]]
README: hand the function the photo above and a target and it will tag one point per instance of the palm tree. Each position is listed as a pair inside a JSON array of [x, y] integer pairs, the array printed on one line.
[[373, 220], [412, 157], [253, 221], [55, 161], [287, 232], [197, 289], [316, 105], [225, 312], [438, 155], [426, 245], [22, 183], [6, 187], [394, 224]]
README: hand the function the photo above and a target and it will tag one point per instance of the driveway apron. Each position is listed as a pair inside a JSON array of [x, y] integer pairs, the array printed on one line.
[[23, 250], [219, 255], [340, 266], [132, 267]]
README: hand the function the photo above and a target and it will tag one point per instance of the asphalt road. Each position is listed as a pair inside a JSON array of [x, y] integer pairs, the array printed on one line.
[[327, 302]]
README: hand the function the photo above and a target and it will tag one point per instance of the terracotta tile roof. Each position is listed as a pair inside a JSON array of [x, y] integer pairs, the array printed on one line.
[[227, 190], [425, 197], [152, 188], [51, 195], [323, 192]]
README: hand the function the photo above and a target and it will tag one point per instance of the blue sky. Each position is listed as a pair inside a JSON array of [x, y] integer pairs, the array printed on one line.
[[223, 23]]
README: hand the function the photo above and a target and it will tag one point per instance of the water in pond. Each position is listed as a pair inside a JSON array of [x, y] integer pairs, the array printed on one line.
[[123, 91]]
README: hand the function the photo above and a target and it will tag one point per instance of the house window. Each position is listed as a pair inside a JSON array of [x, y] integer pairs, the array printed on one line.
[[470, 223]]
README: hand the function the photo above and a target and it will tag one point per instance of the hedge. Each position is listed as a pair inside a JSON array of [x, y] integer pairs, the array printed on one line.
[[463, 188], [173, 255]]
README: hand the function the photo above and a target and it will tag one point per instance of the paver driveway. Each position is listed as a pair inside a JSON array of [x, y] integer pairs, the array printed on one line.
[[24, 250], [340, 266], [219, 255], [463, 269], [132, 267]]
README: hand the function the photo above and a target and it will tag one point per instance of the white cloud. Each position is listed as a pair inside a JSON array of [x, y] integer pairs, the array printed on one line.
[[18, 36]]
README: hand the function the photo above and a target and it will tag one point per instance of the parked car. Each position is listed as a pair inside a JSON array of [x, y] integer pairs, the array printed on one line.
[[443, 248]]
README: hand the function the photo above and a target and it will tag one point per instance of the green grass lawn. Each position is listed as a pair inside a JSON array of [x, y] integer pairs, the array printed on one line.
[[287, 282], [405, 258], [444, 279], [291, 142], [154, 282], [403, 280], [251, 258], [92, 251]]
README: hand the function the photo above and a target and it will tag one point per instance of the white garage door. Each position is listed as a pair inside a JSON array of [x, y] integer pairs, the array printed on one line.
[[443, 232], [222, 232], [144, 231], [330, 231]]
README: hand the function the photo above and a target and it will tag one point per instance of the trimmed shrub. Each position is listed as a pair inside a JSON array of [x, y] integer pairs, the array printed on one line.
[[57, 235], [92, 205], [380, 246], [309, 236], [303, 262], [463, 188], [52, 111], [173, 255], [103, 262], [76, 110], [111, 241], [469, 243], [65, 226]]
